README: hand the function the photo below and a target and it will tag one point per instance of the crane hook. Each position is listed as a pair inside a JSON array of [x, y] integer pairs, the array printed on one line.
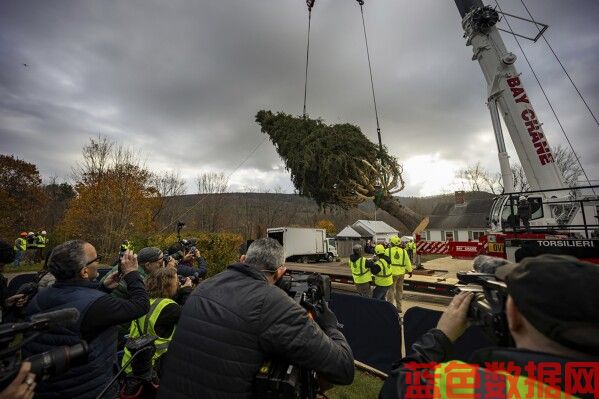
[[310, 4]]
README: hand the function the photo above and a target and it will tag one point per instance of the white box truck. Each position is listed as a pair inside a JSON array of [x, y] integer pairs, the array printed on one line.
[[304, 244]]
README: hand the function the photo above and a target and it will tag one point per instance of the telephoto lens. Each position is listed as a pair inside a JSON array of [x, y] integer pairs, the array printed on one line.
[[58, 360]]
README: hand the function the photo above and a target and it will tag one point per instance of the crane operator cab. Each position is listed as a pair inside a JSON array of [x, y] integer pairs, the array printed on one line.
[[515, 212]]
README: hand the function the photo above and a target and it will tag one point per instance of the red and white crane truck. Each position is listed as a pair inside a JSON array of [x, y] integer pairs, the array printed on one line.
[[560, 219]]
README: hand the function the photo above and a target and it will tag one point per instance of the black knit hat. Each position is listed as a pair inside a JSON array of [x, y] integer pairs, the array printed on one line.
[[559, 296]]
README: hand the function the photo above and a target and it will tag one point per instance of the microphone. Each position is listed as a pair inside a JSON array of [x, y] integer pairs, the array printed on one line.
[[488, 264], [57, 318]]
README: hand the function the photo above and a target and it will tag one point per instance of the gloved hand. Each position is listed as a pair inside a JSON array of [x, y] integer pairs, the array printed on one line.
[[325, 318], [410, 274]]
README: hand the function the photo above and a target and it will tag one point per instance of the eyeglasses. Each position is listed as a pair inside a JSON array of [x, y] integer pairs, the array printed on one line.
[[98, 259]]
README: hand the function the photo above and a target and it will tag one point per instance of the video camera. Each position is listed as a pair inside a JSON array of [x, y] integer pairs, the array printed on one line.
[[43, 365], [277, 378], [487, 308], [195, 278]]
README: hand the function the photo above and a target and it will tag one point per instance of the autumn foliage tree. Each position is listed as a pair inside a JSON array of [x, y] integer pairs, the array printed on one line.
[[21, 197], [328, 225], [115, 200]]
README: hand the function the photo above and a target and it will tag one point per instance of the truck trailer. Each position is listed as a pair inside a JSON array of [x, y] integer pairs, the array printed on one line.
[[304, 244]]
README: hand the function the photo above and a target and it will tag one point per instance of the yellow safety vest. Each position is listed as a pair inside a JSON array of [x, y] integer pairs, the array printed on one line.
[[40, 241], [20, 244], [384, 278], [400, 261], [456, 379], [359, 271], [145, 325]]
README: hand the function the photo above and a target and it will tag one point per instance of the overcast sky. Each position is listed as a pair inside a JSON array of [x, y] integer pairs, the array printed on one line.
[[180, 81]]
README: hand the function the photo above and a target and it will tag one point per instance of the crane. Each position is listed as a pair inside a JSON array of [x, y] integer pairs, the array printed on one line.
[[552, 204]]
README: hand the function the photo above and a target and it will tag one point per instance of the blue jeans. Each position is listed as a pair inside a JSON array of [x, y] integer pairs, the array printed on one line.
[[19, 255], [379, 292]]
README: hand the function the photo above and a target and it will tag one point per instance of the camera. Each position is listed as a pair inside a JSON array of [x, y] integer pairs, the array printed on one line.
[[45, 365], [487, 308], [142, 351], [277, 378], [307, 289], [195, 279]]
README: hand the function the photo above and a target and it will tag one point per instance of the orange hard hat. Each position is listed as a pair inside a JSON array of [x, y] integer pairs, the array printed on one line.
[[23, 234]]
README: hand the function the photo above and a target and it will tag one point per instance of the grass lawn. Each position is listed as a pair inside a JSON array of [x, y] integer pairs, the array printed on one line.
[[365, 386], [23, 268]]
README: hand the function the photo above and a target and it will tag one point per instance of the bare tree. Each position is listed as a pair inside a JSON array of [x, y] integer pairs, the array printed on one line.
[[476, 177], [96, 158], [168, 185], [568, 165], [212, 183], [566, 162]]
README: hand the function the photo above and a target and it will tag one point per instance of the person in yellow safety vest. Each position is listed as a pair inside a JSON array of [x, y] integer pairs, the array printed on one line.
[[40, 242], [400, 264], [360, 270], [556, 337], [160, 321], [20, 248], [411, 248], [381, 271]]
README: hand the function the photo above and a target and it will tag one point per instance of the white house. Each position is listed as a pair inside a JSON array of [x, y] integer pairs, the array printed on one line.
[[375, 230], [465, 221]]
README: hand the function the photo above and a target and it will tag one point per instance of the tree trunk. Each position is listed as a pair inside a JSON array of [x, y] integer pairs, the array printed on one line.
[[406, 216]]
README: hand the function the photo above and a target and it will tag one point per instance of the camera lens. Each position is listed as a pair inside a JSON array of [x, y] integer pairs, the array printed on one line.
[[57, 361]]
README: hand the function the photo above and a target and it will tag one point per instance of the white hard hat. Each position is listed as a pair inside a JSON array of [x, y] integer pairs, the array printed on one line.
[[522, 197], [31, 233], [43, 232]]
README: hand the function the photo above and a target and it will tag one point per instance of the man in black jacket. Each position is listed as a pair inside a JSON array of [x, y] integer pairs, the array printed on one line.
[[236, 320], [75, 266], [552, 316]]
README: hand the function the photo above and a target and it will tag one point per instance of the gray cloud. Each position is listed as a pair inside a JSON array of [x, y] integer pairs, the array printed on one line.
[[182, 80]]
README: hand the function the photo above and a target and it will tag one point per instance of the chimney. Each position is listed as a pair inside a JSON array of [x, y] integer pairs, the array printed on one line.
[[460, 197]]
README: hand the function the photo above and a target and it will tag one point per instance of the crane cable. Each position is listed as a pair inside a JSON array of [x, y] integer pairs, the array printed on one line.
[[562, 65], [310, 4], [546, 97], [376, 114]]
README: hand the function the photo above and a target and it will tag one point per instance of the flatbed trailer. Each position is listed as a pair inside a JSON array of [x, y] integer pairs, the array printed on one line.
[[423, 280]]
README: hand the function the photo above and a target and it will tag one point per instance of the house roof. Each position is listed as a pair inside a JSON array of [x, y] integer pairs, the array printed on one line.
[[473, 214], [374, 227], [349, 233]]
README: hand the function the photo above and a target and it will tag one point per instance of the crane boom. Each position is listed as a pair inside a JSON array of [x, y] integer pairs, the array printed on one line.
[[506, 96]]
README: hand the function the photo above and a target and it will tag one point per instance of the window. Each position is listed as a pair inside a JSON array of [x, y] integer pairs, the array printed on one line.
[[475, 235], [427, 236], [448, 236]]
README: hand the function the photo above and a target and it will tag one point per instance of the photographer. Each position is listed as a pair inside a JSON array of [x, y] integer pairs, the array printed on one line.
[[162, 287], [236, 320], [149, 260], [551, 312], [189, 256], [75, 266]]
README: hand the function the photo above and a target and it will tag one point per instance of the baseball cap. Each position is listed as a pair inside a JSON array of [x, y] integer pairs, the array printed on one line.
[[558, 295]]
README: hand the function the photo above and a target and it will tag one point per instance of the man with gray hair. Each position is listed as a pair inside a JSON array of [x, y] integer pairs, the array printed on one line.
[[75, 266], [239, 318]]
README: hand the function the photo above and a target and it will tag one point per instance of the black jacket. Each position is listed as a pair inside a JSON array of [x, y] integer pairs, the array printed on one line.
[[234, 321], [435, 347]]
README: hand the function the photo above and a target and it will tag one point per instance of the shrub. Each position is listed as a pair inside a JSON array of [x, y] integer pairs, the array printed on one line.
[[219, 249]]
